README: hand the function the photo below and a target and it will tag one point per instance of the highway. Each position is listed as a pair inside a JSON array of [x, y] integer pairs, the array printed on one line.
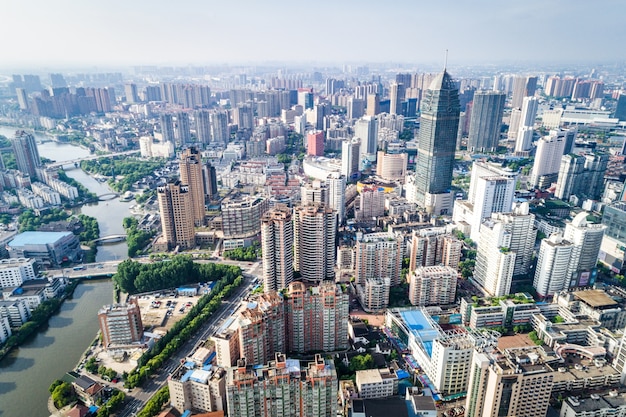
[[139, 396]]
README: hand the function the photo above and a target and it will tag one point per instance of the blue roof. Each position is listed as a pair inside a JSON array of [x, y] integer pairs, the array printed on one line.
[[402, 374], [420, 326], [187, 413], [37, 238], [187, 375]]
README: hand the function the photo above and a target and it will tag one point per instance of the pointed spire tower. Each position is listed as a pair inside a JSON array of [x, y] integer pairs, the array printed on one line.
[[436, 143]]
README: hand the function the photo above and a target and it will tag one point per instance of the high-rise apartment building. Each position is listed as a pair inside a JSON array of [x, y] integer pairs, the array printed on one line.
[[612, 253], [241, 215], [283, 388], [315, 143], [183, 128], [620, 108], [373, 104], [26, 153], [262, 328], [396, 97], [432, 285], [130, 90], [202, 390], [548, 159], [512, 383], [315, 230], [523, 86], [371, 204], [485, 121], [374, 294], [209, 181], [379, 255], [191, 174], [277, 248], [336, 186], [553, 266], [203, 126], [391, 167], [350, 154], [220, 132], [587, 239], [167, 128], [436, 143], [494, 261], [525, 129], [581, 176], [176, 207], [120, 324], [317, 317], [365, 129]]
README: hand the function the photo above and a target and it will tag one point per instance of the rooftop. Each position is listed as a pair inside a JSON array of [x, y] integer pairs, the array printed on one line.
[[595, 298], [37, 238]]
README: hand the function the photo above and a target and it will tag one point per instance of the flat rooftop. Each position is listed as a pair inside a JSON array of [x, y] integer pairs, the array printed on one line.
[[37, 238], [595, 298]]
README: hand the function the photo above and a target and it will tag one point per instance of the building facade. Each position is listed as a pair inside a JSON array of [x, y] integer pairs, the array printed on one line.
[[177, 215], [120, 324], [277, 248]]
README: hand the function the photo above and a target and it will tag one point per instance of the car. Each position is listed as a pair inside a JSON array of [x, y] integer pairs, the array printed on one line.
[[115, 380]]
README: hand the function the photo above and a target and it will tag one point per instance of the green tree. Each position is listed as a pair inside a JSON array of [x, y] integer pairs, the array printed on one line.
[[361, 362]]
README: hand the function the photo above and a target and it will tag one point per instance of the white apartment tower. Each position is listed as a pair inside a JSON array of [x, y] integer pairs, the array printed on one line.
[[494, 261], [315, 230], [432, 285], [336, 186], [378, 255], [277, 247], [548, 159]]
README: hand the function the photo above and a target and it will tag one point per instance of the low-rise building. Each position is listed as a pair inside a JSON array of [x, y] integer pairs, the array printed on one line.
[[199, 389], [14, 271], [376, 383], [50, 248], [15, 311], [613, 404]]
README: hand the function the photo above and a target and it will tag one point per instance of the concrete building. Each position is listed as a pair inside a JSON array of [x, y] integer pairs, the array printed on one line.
[[581, 176], [434, 246], [120, 324], [596, 405], [492, 189], [283, 388], [191, 175], [373, 294], [613, 249], [220, 133], [336, 185], [226, 341], [525, 130], [376, 383], [350, 155], [366, 129], [550, 149], [241, 215], [391, 167], [432, 285], [177, 215], [315, 143], [48, 248], [485, 121], [262, 329], [378, 255], [26, 153], [436, 145], [316, 317], [315, 229], [14, 271], [277, 248], [197, 389], [15, 311], [371, 201], [5, 329], [553, 269]]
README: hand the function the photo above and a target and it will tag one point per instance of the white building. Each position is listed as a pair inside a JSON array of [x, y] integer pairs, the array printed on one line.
[[495, 261], [376, 383], [432, 285], [553, 269], [151, 149], [5, 329], [527, 121], [28, 199], [14, 271], [336, 185], [350, 154], [48, 194], [548, 159], [374, 294]]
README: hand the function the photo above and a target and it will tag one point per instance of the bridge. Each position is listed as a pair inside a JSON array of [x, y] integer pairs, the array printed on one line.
[[108, 196], [73, 162], [110, 239]]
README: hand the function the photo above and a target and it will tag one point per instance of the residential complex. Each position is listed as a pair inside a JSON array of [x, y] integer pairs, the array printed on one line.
[[120, 324], [177, 215]]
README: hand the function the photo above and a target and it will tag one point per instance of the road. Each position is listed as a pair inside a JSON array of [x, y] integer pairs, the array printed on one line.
[[139, 396]]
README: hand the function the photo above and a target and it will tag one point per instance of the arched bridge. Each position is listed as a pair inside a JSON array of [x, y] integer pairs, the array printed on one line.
[[107, 196], [110, 239]]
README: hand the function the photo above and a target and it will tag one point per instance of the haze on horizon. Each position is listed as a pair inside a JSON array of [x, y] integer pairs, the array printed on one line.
[[66, 33]]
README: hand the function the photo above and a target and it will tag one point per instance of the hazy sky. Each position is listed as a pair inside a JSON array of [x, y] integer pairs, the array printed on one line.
[[58, 33]]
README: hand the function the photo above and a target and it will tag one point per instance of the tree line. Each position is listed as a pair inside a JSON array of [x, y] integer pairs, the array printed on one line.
[[131, 169], [136, 238], [134, 277]]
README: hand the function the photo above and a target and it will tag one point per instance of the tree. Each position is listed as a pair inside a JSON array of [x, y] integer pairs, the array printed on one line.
[[361, 362], [63, 394]]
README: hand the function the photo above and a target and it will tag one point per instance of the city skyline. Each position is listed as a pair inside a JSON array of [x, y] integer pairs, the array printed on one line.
[[478, 32]]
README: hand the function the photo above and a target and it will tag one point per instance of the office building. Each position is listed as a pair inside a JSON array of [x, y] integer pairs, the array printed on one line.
[[436, 144], [241, 215], [315, 229], [548, 156], [315, 143], [277, 248], [283, 388], [376, 383], [513, 383], [314, 192], [177, 216], [366, 129], [317, 317], [379, 255], [47, 248], [492, 189], [26, 153], [336, 187], [191, 174], [432, 285], [120, 324], [350, 155], [203, 126], [485, 121], [197, 389], [391, 167], [14, 271]]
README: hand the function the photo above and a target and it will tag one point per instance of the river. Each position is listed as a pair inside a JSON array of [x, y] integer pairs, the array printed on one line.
[[27, 372]]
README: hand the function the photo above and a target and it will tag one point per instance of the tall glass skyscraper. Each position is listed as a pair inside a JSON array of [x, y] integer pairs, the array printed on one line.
[[485, 122], [436, 144]]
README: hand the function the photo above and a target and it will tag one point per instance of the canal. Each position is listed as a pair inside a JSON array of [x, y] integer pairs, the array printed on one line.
[[27, 372]]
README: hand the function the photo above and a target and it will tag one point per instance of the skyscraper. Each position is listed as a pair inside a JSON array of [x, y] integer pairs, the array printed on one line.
[[336, 185], [176, 207], [581, 176], [365, 129], [191, 175], [379, 255], [523, 86], [485, 121], [203, 126], [548, 159], [167, 128], [183, 128], [350, 154], [315, 229], [526, 124], [277, 248], [262, 328], [219, 127], [373, 104], [396, 97], [209, 181], [620, 109], [432, 285], [130, 90], [315, 143], [436, 144], [26, 153]]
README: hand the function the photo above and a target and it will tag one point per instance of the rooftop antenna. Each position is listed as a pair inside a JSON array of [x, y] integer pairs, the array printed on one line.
[[445, 65]]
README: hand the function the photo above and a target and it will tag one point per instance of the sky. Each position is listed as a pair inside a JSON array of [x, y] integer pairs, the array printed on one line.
[[64, 33]]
